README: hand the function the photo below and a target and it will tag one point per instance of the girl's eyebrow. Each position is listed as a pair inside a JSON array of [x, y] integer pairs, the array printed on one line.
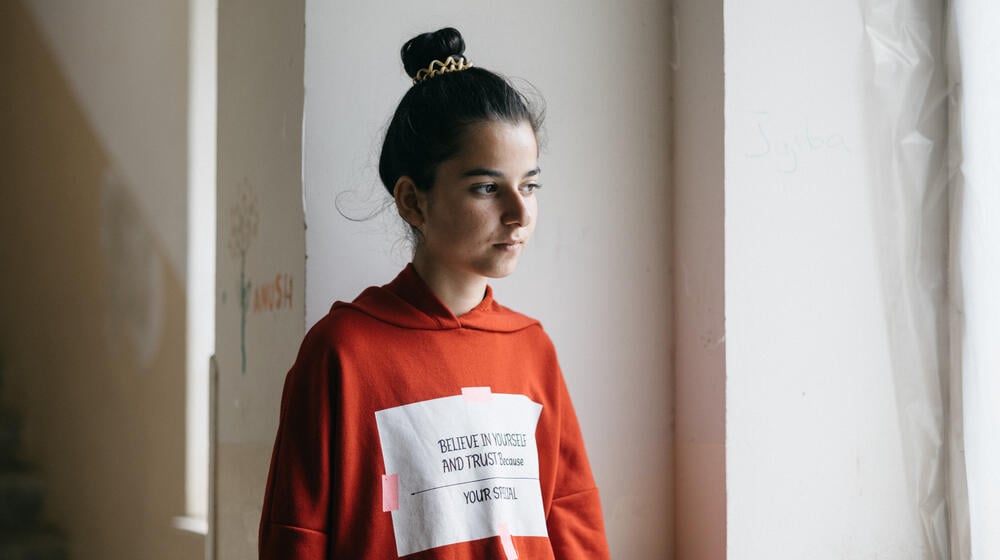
[[483, 172]]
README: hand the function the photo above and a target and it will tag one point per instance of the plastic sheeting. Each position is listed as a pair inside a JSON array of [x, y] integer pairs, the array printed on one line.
[[975, 119], [908, 145], [934, 135]]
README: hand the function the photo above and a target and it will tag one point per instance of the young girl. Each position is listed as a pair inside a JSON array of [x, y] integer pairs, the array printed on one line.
[[425, 420]]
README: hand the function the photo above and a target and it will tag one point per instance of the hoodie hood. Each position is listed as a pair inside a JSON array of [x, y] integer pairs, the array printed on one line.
[[408, 302]]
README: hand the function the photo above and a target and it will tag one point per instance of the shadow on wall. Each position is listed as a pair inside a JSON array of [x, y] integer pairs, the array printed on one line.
[[134, 271]]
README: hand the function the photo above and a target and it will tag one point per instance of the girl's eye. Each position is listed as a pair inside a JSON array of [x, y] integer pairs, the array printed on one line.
[[530, 188], [488, 188]]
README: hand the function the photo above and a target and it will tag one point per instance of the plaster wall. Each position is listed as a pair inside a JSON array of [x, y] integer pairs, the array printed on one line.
[[698, 290], [260, 257]]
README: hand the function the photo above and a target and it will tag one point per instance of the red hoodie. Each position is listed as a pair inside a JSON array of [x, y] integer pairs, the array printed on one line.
[[408, 432]]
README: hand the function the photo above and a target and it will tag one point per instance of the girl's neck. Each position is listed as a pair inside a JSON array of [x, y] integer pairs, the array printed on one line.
[[459, 292]]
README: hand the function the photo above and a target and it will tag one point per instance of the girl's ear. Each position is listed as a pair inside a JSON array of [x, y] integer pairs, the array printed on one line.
[[409, 201]]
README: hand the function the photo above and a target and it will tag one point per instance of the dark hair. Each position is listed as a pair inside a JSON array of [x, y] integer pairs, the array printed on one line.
[[430, 120]]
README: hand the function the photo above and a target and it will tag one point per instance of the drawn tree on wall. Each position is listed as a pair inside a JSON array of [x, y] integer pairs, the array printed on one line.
[[243, 220]]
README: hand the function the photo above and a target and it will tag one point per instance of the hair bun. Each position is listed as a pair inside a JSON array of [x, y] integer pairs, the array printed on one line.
[[421, 50]]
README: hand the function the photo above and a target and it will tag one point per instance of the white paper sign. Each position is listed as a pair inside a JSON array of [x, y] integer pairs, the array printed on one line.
[[465, 466]]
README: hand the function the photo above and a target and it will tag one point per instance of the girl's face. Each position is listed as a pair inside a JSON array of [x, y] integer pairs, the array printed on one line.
[[482, 209]]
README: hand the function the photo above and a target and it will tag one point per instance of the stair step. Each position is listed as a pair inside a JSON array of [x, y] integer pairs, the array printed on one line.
[[21, 496], [39, 544]]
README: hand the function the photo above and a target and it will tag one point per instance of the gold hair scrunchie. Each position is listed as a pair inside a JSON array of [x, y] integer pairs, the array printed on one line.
[[436, 68]]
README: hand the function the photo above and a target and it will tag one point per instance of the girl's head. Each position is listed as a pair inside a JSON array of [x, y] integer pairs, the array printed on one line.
[[432, 119], [461, 160]]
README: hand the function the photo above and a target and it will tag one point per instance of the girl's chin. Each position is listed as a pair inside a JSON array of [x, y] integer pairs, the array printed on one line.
[[500, 269]]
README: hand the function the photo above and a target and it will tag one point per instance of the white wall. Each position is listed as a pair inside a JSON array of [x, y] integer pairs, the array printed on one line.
[[597, 273], [834, 267]]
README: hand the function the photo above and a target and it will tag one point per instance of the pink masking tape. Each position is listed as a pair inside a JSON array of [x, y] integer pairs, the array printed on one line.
[[477, 394], [390, 492], [507, 541]]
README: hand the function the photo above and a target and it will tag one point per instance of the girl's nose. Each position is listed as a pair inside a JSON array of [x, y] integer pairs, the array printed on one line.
[[516, 211]]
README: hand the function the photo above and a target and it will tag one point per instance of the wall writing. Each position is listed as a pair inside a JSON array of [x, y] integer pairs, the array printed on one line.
[[274, 295], [789, 146]]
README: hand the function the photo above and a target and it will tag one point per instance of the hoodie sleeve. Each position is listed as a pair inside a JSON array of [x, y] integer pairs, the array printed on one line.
[[575, 521], [295, 519]]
